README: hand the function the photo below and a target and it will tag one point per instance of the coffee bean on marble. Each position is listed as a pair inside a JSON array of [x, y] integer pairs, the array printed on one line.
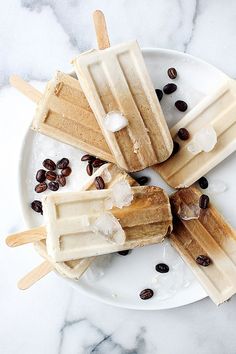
[[181, 106], [63, 163], [203, 182], [124, 253], [41, 187], [61, 180], [51, 175], [162, 268], [159, 94], [53, 186], [66, 171], [172, 73], [88, 157], [41, 176], [146, 294], [36, 205], [49, 164], [169, 88]]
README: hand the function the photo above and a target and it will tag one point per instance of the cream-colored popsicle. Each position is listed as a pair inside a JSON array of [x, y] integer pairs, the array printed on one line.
[[71, 218], [74, 269], [63, 113], [217, 111], [115, 80], [209, 235]]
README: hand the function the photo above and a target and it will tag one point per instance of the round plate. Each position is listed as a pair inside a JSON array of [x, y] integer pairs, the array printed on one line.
[[117, 279]]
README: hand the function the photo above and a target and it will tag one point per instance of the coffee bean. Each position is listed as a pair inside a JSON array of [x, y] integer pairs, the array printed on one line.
[[204, 261], [169, 88], [51, 175], [183, 134], [204, 201], [36, 205], [172, 73], [98, 163], [41, 176], [175, 148], [61, 180], [49, 164], [162, 268], [181, 106], [53, 186], [41, 187], [124, 253], [146, 294], [88, 157], [159, 94], [99, 183], [203, 182], [142, 180], [63, 163], [89, 169], [66, 171]]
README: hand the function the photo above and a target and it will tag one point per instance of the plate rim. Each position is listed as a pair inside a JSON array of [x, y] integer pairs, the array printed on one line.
[[24, 208]]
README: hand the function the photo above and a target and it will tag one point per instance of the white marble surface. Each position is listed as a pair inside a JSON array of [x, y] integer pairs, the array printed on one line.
[[37, 37]]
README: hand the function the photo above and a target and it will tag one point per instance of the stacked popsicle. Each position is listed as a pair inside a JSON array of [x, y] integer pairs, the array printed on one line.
[[112, 112]]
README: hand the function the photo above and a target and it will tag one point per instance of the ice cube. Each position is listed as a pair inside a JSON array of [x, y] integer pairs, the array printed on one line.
[[106, 176], [206, 138], [115, 121], [122, 194], [98, 267], [109, 227], [217, 187], [188, 212]]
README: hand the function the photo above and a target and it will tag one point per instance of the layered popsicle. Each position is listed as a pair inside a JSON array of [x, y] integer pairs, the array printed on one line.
[[206, 242], [120, 92], [212, 129], [92, 223]]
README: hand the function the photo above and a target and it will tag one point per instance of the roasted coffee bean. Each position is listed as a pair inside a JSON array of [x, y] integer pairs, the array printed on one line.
[[99, 183], [183, 134], [49, 164], [36, 205], [159, 94], [41, 187], [175, 148], [98, 163], [169, 88], [142, 180], [41, 176], [203, 182], [204, 261], [88, 157], [89, 169], [66, 171], [123, 253], [61, 180], [162, 268], [51, 175], [181, 106], [63, 163], [172, 73], [146, 294], [204, 201], [53, 186]]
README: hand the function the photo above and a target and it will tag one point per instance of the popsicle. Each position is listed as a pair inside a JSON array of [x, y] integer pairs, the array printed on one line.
[[120, 92], [213, 119], [63, 113], [74, 269], [86, 224], [207, 239]]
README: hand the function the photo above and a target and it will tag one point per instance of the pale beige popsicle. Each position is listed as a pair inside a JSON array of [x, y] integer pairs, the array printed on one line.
[[70, 219], [74, 269], [116, 80], [63, 113], [217, 110], [209, 235]]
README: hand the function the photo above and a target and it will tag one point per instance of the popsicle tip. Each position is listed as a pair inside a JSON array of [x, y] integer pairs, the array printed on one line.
[[10, 241], [98, 13], [21, 285]]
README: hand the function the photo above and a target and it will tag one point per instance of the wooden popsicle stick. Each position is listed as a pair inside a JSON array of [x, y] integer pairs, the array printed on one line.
[[101, 30], [21, 238], [36, 274], [24, 87]]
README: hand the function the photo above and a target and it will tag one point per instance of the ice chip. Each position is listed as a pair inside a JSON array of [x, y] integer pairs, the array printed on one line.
[[109, 227], [115, 121], [122, 194], [194, 148]]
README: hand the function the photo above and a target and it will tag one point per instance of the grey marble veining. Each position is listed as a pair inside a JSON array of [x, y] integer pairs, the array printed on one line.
[[36, 38]]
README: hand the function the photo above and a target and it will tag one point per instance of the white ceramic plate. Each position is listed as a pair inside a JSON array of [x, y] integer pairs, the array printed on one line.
[[125, 276]]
